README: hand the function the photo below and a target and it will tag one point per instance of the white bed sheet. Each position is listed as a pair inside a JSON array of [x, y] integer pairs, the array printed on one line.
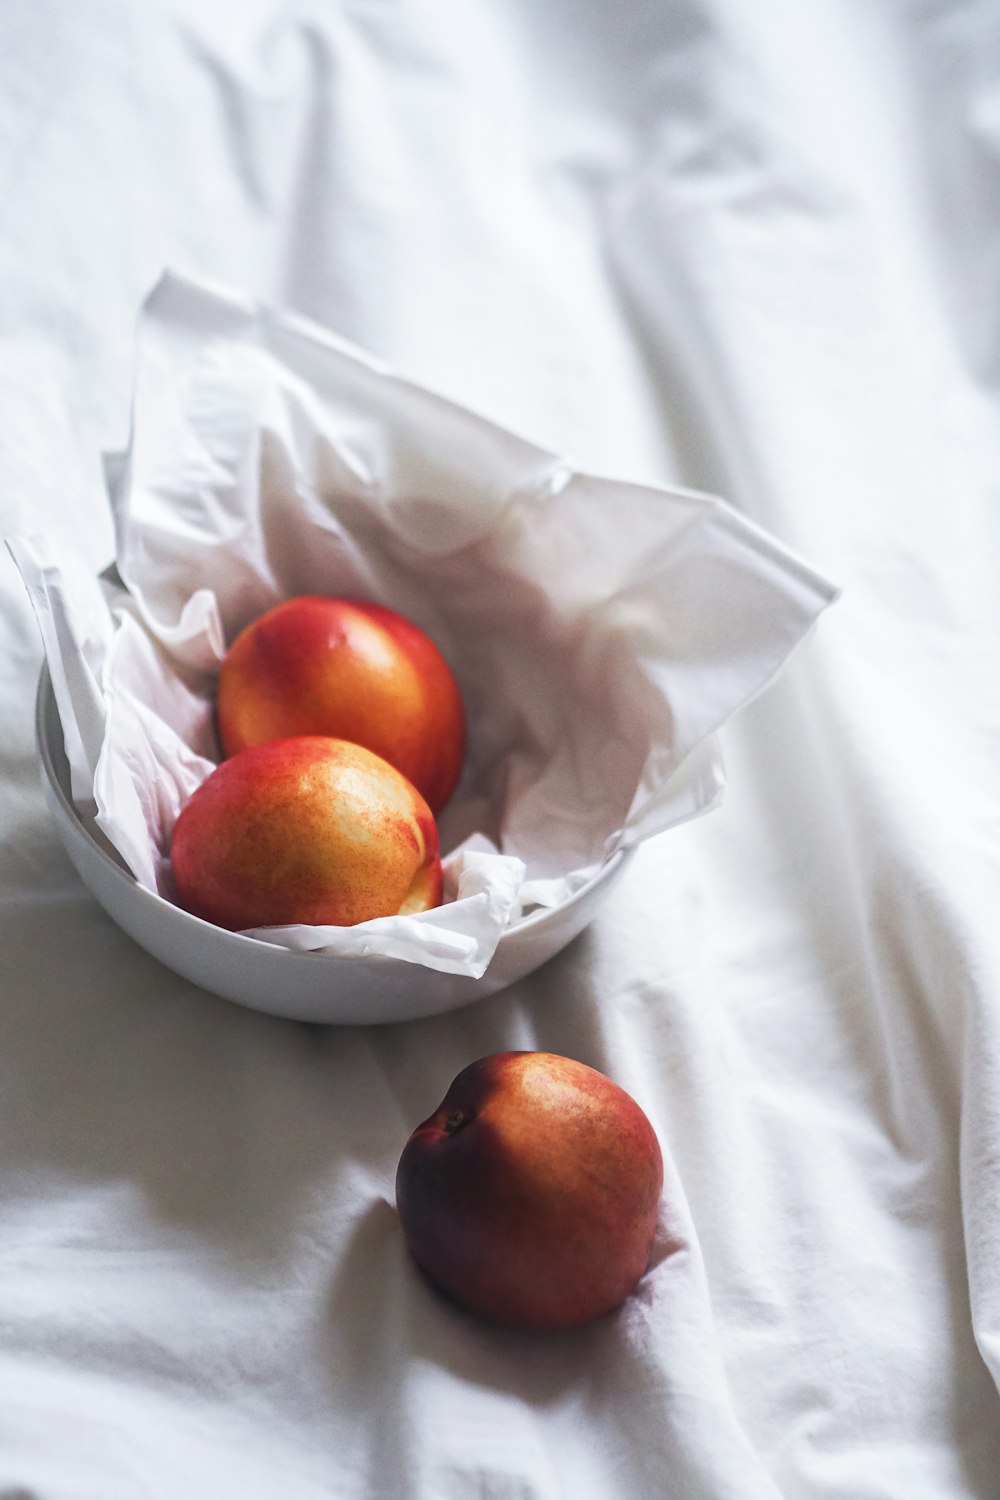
[[751, 249]]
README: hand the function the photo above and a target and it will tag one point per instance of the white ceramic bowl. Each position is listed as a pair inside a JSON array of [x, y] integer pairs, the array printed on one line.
[[300, 986]]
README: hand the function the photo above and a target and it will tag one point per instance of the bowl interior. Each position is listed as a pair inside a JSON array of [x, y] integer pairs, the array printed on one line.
[[280, 981]]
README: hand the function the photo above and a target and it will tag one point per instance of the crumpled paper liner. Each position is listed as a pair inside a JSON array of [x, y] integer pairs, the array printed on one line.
[[601, 632]]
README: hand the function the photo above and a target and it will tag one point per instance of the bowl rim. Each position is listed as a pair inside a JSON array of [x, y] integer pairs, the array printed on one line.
[[45, 701]]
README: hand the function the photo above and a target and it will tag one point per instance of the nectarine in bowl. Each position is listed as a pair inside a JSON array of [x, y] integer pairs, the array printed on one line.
[[277, 980], [353, 670]]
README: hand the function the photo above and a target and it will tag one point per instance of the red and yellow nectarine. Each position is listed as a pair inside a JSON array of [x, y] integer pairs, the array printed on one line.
[[530, 1195], [352, 670], [309, 829]]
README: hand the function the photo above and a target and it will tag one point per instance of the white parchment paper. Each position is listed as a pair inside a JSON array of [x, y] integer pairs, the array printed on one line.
[[601, 632]]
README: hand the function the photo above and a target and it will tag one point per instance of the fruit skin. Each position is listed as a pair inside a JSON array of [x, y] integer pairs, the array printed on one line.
[[309, 829], [530, 1195], [352, 670]]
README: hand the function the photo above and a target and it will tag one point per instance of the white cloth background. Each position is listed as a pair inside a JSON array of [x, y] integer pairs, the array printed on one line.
[[751, 249]]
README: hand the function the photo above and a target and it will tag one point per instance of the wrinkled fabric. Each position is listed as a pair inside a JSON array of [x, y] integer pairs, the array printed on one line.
[[746, 249]]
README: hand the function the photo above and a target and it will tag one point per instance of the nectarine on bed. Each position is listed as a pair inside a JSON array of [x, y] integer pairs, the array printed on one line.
[[530, 1195]]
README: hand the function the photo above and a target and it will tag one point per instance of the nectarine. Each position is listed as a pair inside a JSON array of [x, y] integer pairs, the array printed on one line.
[[530, 1195], [309, 829], [352, 670]]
